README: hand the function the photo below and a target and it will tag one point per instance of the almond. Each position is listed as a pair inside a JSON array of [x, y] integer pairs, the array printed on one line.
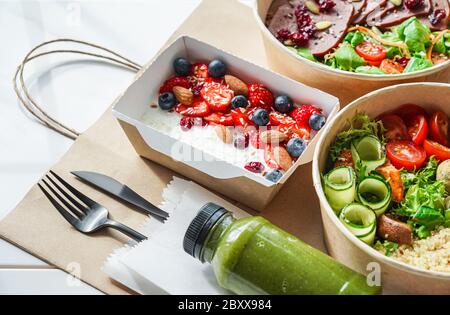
[[183, 95], [281, 157], [237, 85], [273, 136], [224, 133]]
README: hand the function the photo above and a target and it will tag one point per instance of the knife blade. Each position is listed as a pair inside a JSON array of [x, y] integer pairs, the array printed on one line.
[[121, 191]]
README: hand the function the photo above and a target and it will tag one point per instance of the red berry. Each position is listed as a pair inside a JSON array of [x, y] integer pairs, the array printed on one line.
[[260, 96], [403, 61], [326, 5], [186, 123], [414, 4], [241, 140], [199, 108], [283, 34], [301, 114], [437, 16], [172, 82], [255, 167]]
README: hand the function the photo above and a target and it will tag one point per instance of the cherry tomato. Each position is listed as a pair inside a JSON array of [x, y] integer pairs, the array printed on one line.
[[371, 51], [391, 67], [374, 63], [417, 128], [439, 125], [395, 127], [220, 119], [277, 118], [218, 96], [199, 108], [405, 154], [407, 110], [439, 151]]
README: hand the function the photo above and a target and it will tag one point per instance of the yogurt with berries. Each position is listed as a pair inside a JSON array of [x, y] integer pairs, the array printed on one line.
[[245, 124]]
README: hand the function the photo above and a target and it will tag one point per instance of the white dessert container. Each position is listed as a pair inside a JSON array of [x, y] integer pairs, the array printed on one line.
[[343, 84], [396, 276], [231, 180]]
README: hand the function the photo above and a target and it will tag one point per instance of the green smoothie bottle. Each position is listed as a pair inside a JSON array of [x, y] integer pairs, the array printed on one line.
[[252, 256]]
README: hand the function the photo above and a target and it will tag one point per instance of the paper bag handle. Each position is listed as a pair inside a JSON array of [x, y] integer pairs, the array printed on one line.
[[35, 109]]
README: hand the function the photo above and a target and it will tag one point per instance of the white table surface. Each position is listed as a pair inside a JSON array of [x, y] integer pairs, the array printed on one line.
[[75, 92]]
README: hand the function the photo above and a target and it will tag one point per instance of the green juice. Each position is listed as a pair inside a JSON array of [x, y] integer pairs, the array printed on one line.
[[252, 256]]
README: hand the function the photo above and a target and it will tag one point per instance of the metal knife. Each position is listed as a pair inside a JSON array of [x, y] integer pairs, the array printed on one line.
[[121, 191]]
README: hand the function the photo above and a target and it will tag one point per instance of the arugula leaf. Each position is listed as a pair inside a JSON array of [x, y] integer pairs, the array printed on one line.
[[369, 70], [415, 34], [305, 53], [347, 58], [361, 125], [416, 64]]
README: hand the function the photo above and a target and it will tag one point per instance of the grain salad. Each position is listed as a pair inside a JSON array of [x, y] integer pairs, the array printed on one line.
[[432, 253]]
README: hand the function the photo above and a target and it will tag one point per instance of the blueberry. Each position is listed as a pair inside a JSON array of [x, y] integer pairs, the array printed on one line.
[[274, 176], [239, 101], [317, 121], [217, 68], [167, 101], [260, 117], [182, 66], [284, 104], [295, 147]]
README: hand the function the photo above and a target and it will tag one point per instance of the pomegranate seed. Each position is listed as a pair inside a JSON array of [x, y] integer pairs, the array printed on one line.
[[414, 4], [186, 123], [437, 16], [326, 5], [403, 61], [255, 167]]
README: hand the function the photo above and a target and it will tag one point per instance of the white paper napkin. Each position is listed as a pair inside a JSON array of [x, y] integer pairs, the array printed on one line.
[[159, 265]]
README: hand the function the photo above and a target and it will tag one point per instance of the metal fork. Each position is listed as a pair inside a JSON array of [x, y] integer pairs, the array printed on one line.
[[87, 218]]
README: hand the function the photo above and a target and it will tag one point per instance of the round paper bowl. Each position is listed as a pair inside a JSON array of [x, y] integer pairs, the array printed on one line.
[[343, 84], [396, 277]]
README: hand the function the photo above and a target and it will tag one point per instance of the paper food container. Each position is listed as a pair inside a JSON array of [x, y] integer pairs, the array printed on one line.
[[343, 84], [230, 180], [344, 246]]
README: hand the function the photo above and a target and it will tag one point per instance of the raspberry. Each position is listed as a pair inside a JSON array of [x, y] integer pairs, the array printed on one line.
[[326, 5], [437, 16], [255, 167], [303, 113], [413, 4], [260, 96], [172, 82]]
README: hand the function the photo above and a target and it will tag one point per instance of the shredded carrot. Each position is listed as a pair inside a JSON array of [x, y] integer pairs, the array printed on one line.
[[402, 46], [434, 41]]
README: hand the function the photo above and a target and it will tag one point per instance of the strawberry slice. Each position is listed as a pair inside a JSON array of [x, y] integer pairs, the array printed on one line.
[[220, 119], [277, 119], [172, 82], [241, 117], [294, 130], [260, 96], [303, 113], [199, 108], [218, 96], [200, 70], [269, 157], [255, 138]]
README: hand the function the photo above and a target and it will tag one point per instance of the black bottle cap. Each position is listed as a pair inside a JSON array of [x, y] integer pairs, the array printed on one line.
[[200, 226]]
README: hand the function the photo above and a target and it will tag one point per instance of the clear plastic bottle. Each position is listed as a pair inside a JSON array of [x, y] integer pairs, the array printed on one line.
[[253, 256]]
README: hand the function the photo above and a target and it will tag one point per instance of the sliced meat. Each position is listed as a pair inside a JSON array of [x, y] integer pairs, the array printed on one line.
[[345, 159], [392, 15], [394, 178], [443, 24], [281, 16], [394, 230], [358, 6], [370, 7]]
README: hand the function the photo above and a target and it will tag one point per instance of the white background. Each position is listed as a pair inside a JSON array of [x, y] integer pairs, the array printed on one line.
[[75, 92]]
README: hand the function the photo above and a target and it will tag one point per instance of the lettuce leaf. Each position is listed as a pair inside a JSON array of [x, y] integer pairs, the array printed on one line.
[[416, 64], [347, 58], [415, 34], [369, 70]]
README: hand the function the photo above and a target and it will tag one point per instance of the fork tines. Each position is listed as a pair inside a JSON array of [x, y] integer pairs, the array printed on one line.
[[66, 204]]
